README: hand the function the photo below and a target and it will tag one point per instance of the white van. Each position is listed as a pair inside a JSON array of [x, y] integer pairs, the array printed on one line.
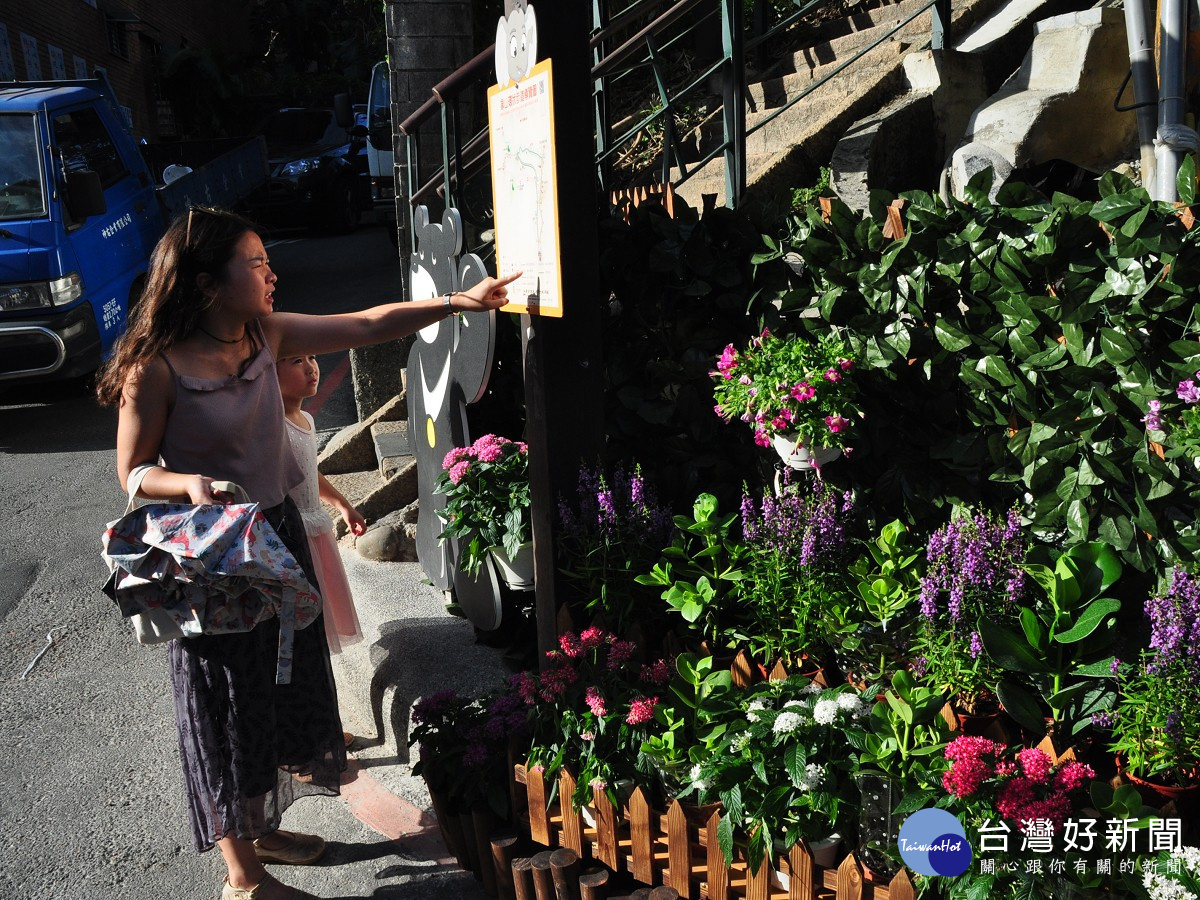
[[379, 147]]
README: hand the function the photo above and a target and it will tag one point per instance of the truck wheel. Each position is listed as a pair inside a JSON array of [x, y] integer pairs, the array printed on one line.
[[343, 217]]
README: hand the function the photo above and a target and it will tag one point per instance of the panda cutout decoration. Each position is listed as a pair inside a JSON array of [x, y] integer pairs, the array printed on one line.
[[448, 368], [516, 42]]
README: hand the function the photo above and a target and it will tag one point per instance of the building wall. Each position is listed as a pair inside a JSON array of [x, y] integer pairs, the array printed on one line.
[[48, 39]]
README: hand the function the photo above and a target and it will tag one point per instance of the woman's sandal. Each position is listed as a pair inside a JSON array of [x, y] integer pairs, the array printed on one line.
[[300, 849], [229, 892]]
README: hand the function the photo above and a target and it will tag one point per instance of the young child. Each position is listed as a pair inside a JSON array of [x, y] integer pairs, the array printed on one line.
[[298, 379]]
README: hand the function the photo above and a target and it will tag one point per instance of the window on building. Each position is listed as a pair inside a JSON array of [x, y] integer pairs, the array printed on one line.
[[84, 143], [118, 40]]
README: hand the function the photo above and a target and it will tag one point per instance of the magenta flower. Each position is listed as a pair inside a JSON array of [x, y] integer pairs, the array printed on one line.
[[455, 455], [727, 362], [1188, 391], [833, 375], [762, 438], [641, 710], [459, 470], [846, 364], [803, 391], [837, 423]]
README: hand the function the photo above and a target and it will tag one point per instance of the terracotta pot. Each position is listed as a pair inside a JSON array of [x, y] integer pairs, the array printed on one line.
[[1156, 794]]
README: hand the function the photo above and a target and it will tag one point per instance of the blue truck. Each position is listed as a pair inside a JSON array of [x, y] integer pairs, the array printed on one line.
[[81, 209]]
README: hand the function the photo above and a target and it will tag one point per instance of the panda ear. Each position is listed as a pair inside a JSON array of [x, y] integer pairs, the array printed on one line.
[[530, 38], [502, 52], [452, 231], [421, 219]]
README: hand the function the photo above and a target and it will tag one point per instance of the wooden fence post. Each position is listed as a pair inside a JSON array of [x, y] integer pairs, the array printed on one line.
[[503, 849], [564, 869], [593, 885], [543, 881], [522, 873], [716, 870]]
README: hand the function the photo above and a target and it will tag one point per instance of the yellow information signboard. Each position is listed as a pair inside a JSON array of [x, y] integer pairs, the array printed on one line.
[[524, 192]]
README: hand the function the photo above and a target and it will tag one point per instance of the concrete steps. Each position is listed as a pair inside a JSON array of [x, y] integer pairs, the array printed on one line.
[[796, 143]]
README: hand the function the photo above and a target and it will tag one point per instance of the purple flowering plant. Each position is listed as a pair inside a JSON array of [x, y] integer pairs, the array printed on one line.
[[974, 571], [797, 549], [790, 386], [486, 486], [611, 531], [463, 745], [1155, 727]]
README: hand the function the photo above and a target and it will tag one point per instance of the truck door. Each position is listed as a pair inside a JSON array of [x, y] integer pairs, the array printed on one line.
[[112, 249]]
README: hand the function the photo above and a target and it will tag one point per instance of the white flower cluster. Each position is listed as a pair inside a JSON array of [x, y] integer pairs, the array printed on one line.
[[787, 722], [1161, 886], [753, 709], [813, 778], [825, 711], [700, 784]]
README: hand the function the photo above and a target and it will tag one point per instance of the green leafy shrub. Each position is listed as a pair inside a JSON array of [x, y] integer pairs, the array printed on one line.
[[1009, 351]]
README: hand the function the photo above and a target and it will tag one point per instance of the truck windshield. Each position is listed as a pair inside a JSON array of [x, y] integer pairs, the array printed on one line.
[[21, 191]]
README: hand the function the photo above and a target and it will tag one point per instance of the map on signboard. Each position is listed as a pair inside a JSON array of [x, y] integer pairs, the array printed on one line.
[[524, 195]]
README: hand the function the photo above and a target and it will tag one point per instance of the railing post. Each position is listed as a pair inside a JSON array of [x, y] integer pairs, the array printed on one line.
[[600, 100], [734, 108], [940, 14]]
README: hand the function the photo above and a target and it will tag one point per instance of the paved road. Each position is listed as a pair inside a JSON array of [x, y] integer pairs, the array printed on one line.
[[90, 796]]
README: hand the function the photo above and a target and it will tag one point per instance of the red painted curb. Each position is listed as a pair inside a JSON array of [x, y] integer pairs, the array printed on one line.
[[378, 808]]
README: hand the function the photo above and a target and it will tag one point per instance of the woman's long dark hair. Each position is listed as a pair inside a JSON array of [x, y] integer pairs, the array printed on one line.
[[200, 241]]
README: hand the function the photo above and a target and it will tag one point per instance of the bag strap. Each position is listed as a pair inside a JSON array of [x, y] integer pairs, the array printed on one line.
[[134, 482]]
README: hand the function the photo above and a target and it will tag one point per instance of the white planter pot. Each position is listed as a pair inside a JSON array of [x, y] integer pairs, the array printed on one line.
[[516, 573], [802, 457], [824, 854]]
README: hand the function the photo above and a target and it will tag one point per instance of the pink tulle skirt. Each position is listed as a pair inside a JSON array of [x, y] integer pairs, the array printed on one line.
[[341, 621]]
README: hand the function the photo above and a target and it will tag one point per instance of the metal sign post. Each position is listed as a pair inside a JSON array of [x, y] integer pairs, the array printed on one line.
[[561, 354]]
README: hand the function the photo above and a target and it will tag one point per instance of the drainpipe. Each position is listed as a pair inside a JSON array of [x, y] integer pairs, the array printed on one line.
[[1171, 108], [1145, 85]]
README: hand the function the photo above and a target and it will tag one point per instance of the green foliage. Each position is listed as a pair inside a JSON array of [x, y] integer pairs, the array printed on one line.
[[902, 738], [1064, 646], [807, 196], [678, 292], [702, 570], [1010, 350], [888, 583]]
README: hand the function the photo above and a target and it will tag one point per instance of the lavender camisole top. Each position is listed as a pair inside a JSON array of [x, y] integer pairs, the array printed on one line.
[[233, 429]]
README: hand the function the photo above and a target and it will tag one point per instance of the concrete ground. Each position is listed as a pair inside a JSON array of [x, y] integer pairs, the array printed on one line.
[[383, 840]]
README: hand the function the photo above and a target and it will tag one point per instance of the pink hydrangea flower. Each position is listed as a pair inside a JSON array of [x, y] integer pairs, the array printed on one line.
[[459, 470], [454, 456]]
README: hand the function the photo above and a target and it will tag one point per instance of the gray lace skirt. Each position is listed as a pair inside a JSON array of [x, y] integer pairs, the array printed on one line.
[[250, 747]]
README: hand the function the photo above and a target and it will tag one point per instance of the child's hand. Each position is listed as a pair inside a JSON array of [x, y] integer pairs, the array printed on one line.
[[354, 521]]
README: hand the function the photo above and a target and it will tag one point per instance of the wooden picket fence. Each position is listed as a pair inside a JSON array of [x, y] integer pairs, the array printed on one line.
[[679, 850]]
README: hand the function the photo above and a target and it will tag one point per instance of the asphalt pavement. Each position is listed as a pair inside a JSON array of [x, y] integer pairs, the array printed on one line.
[[91, 795]]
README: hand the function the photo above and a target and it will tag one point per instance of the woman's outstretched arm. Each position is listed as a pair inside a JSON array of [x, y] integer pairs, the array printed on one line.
[[293, 333]]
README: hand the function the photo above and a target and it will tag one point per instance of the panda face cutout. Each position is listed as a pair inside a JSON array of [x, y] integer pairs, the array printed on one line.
[[516, 42]]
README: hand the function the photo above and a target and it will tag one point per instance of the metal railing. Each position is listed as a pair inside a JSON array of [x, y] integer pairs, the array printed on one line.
[[685, 51]]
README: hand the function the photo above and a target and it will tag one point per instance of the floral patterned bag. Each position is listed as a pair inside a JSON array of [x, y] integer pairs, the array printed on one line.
[[210, 568]]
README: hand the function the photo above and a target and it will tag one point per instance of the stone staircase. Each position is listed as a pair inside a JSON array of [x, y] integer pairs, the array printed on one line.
[[373, 467], [789, 150]]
